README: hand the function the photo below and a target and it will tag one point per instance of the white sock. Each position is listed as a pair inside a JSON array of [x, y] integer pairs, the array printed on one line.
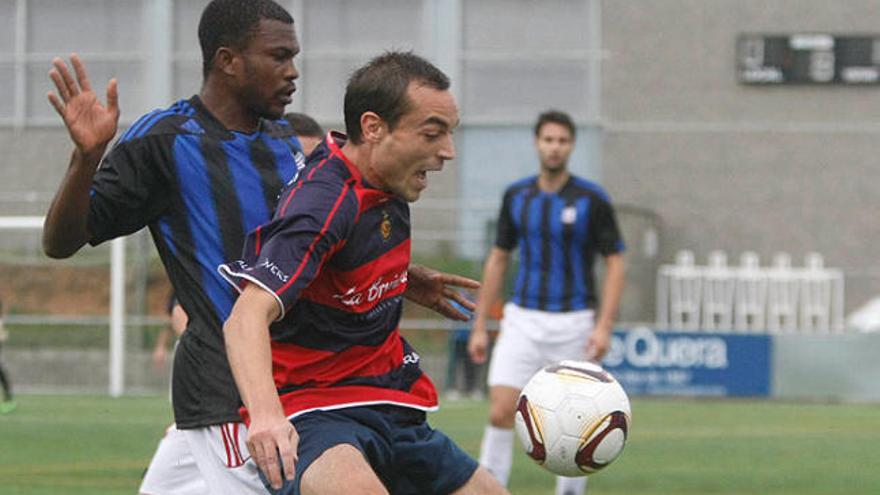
[[496, 452], [571, 486]]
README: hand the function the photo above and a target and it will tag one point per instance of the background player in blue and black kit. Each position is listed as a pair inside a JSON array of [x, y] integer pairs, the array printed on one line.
[[329, 384], [560, 223], [200, 175]]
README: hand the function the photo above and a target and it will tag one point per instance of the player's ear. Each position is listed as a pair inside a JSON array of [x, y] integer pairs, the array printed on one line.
[[226, 60], [373, 127]]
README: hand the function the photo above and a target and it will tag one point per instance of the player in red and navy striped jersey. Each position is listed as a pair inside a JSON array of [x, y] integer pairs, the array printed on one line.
[[338, 330], [322, 294]]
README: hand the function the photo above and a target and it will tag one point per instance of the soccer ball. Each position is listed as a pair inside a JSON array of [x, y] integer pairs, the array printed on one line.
[[573, 418]]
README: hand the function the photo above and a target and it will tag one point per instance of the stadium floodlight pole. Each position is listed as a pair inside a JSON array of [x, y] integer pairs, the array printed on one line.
[[117, 317]]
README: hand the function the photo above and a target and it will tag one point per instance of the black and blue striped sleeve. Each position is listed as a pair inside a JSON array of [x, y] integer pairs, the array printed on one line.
[[604, 229], [506, 231], [129, 190]]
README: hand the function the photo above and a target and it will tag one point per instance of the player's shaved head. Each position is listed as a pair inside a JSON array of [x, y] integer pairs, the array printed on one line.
[[232, 23]]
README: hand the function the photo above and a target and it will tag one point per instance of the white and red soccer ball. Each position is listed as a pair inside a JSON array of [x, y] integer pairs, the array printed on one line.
[[573, 418]]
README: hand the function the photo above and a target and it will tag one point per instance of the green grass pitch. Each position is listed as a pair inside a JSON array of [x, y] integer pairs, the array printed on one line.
[[98, 445]]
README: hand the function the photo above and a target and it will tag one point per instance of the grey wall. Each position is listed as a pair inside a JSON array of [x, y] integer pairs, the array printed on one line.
[[724, 166], [735, 167], [826, 367]]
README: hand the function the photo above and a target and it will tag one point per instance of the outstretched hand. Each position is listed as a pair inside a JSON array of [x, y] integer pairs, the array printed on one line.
[[91, 125], [435, 290]]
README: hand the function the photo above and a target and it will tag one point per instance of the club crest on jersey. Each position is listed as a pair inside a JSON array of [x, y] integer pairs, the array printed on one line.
[[385, 226], [569, 214]]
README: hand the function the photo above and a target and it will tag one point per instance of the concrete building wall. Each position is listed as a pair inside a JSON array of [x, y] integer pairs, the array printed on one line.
[[736, 167], [32, 163], [722, 165]]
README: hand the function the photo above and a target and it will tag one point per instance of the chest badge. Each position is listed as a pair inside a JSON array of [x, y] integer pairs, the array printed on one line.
[[385, 226], [569, 214]]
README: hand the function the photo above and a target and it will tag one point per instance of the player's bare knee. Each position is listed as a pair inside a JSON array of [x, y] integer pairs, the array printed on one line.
[[501, 415], [341, 469], [482, 483]]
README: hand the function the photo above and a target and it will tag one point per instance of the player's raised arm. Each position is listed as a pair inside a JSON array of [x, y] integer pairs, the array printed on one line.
[[91, 126], [248, 348]]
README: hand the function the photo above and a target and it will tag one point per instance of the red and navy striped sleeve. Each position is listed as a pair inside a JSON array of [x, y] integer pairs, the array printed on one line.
[[285, 255]]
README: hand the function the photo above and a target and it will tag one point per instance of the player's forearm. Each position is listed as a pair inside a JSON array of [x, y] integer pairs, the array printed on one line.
[[65, 229], [493, 279], [612, 291], [163, 339], [249, 352]]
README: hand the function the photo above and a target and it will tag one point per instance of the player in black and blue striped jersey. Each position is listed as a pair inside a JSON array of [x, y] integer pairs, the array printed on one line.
[[560, 223], [200, 175]]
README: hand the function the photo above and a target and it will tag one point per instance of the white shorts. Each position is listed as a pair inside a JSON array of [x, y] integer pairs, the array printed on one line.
[[210, 460], [531, 339]]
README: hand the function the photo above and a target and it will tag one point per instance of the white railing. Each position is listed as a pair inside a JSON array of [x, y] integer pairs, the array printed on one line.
[[750, 298]]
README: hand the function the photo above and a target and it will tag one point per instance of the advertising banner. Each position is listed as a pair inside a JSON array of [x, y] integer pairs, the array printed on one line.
[[650, 362]]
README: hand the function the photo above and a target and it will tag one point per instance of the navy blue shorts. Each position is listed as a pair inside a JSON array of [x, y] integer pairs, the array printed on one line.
[[408, 455]]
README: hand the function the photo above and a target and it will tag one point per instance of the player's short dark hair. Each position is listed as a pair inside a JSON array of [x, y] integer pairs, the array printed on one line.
[[380, 87], [555, 117], [303, 125], [232, 23]]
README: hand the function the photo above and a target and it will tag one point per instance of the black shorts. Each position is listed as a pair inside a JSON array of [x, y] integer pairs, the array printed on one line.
[[407, 455]]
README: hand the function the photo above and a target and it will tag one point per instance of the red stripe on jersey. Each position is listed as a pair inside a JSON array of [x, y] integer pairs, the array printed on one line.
[[318, 237], [422, 395], [257, 246], [295, 365], [336, 151], [361, 289], [299, 186], [369, 198]]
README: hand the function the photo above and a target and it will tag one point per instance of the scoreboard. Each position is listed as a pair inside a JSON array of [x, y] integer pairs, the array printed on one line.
[[808, 58]]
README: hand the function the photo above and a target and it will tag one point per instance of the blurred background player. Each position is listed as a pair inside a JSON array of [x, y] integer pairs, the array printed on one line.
[[8, 404], [170, 333], [173, 445], [560, 222], [462, 372], [306, 129]]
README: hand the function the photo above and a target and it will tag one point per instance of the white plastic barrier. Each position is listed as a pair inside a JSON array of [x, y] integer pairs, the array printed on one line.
[[719, 285], [679, 292], [750, 301], [783, 293], [750, 298]]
